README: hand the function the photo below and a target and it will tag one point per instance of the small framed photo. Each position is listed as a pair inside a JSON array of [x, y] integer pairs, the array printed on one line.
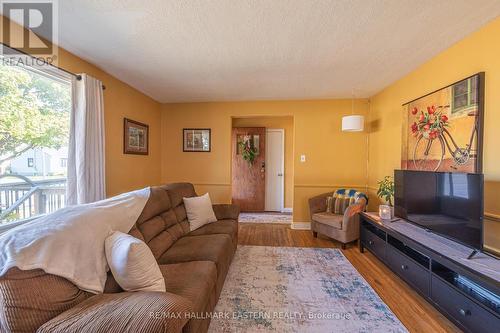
[[135, 137], [196, 140]]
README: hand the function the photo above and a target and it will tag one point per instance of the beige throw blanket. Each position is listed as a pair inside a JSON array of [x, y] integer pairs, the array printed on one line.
[[70, 242]]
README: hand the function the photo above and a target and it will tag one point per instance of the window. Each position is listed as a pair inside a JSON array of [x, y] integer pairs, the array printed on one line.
[[34, 130], [464, 96]]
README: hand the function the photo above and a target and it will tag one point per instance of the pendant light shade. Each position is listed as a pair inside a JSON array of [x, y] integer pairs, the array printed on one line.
[[353, 123]]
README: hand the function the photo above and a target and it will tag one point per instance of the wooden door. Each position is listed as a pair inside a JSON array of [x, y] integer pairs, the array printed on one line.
[[249, 180]]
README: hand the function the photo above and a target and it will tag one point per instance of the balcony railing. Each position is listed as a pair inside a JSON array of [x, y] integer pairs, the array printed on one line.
[[26, 198]]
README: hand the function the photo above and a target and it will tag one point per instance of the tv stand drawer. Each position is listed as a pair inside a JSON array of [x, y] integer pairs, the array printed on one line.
[[465, 312], [375, 242], [410, 271]]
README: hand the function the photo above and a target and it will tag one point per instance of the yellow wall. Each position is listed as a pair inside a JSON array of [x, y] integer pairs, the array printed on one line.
[[476, 53], [123, 172], [285, 123], [333, 159]]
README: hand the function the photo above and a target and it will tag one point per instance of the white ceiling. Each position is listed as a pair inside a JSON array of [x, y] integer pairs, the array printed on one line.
[[222, 50]]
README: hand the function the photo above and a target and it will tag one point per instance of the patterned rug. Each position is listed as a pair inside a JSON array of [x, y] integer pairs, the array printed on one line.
[[284, 289], [277, 218]]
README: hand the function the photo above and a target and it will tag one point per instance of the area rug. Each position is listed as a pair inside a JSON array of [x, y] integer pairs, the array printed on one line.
[[277, 218], [284, 289]]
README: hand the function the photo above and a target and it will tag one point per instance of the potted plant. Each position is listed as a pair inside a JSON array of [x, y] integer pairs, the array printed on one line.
[[386, 193]]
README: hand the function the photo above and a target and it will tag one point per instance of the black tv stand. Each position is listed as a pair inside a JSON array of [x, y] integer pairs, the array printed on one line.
[[472, 254], [466, 291]]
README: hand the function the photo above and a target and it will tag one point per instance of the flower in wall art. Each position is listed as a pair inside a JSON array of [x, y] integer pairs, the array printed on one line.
[[442, 131]]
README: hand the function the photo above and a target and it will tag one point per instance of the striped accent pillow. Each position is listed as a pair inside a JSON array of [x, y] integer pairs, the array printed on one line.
[[346, 197], [341, 203], [329, 204], [345, 204], [338, 204]]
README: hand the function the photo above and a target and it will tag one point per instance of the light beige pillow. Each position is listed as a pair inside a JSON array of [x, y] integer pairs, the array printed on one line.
[[199, 211], [132, 263]]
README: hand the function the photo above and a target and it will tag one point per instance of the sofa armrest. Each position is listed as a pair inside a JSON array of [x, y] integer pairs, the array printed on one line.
[[226, 211], [317, 204], [155, 312]]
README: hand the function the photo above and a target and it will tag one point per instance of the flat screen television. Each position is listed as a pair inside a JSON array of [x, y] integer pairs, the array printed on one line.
[[450, 204]]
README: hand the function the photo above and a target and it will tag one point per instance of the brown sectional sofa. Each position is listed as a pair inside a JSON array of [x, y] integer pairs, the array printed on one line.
[[194, 265]]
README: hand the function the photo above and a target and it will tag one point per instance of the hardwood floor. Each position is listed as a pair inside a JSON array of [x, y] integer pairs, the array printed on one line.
[[413, 311]]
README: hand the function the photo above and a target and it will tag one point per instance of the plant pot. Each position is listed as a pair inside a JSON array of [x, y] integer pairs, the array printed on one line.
[[386, 212]]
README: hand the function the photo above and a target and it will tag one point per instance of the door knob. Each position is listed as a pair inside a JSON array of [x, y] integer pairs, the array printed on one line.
[[280, 175]]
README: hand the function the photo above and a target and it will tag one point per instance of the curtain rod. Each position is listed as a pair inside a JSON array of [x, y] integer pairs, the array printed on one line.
[[77, 76]]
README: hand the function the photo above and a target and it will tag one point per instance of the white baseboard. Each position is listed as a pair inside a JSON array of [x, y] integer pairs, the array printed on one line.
[[301, 226], [287, 210]]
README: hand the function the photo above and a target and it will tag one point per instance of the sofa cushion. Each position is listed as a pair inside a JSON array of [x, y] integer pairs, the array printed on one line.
[[333, 220], [194, 280], [217, 248], [132, 263], [213, 248], [144, 311], [178, 191], [30, 298], [158, 203], [227, 227], [199, 211], [158, 225]]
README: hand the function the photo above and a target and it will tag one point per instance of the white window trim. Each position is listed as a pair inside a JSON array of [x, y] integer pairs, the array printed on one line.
[[45, 69]]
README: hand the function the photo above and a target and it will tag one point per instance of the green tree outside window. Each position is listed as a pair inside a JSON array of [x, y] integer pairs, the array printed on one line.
[[34, 112]]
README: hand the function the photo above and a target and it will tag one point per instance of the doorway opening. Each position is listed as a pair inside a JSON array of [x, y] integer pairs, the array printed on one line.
[[262, 168]]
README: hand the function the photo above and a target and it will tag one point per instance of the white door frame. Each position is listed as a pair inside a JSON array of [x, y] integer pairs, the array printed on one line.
[[282, 182]]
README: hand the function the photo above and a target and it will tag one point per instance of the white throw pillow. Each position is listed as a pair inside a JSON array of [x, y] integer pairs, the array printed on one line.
[[132, 263], [199, 211]]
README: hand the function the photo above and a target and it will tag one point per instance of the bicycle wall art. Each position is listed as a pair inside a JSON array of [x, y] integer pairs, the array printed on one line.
[[443, 130]]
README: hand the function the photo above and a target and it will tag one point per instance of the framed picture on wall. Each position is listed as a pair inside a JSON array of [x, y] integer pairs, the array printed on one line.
[[443, 130], [135, 137], [196, 140]]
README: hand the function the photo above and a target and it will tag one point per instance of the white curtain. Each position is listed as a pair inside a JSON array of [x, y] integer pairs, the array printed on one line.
[[86, 169]]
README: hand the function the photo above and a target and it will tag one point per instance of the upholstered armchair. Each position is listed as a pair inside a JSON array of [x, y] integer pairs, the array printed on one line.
[[340, 219]]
